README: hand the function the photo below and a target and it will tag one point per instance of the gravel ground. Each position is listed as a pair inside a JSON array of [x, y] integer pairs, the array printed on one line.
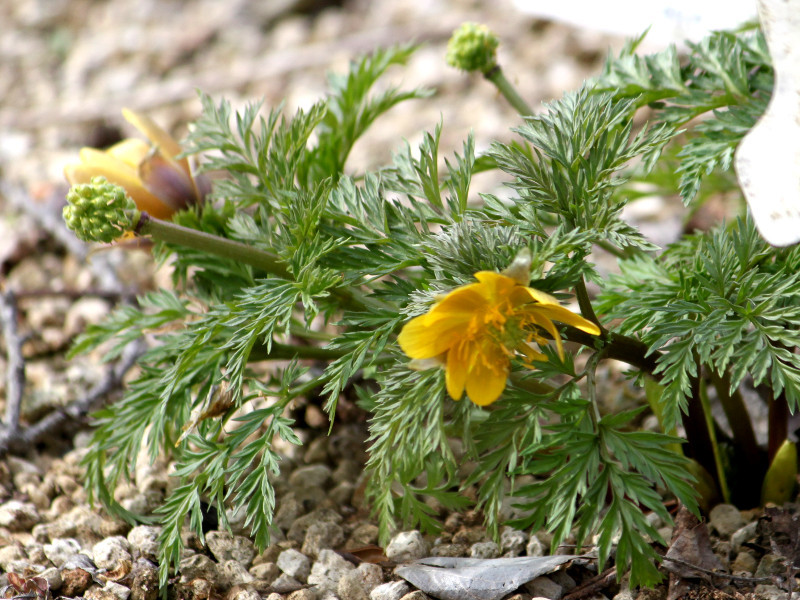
[[69, 67]]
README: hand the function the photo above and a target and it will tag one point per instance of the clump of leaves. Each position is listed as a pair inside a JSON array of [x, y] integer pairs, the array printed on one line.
[[360, 254]]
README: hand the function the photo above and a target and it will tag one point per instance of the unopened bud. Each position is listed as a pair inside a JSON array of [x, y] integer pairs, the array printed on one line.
[[99, 211], [472, 47]]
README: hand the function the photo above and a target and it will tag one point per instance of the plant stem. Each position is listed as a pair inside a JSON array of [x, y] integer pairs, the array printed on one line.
[[278, 351], [173, 233], [586, 305], [200, 240], [495, 75], [618, 347], [736, 413], [778, 423]]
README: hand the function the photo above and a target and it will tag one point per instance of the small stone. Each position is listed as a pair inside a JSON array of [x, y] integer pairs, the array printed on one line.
[[295, 564], [289, 509], [566, 582], [310, 477], [534, 547], [769, 592], [742, 535], [320, 536], [304, 594], [770, 564], [297, 532], [285, 584], [197, 566], [61, 549], [53, 577], [225, 546], [394, 590], [416, 595], [342, 494], [143, 541], [407, 546], [484, 550], [744, 563], [111, 552], [75, 582], [145, 580], [358, 584], [10, 555], [267, 571], [513, 541], [328, 570], [110, 591], [726, 519], [365, 534], [18, 516], [232, 572], [451, 550], [246, 595], [274, 596], [544, 587]]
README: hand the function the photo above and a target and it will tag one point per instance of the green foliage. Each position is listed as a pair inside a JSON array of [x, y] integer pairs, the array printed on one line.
[[358, 254]]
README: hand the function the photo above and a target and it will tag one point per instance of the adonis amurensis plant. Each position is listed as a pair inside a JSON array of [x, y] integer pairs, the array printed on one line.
[[460, 320]]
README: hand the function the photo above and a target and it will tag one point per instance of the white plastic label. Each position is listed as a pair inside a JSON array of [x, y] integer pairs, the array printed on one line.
[[767, 161]]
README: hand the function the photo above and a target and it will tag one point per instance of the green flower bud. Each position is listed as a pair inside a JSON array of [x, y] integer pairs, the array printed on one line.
[[472, 47], [99, 211]]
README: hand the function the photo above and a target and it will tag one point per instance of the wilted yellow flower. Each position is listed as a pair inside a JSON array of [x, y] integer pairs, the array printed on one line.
[[159, 182], [476, 329]]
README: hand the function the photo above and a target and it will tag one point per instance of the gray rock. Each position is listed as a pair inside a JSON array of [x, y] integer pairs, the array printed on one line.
[[60, 549], [484, 550], [297, 532], [110, 591], [145, 580], [451, 550], [225, 546], [232, 572], [363, 535], [769, 592], [267, 571], [328, 569], [513, 541], [742, 535], [310, 477], [143, 541], [285, 584], [274, 596], [745, 563], [534, 547], [566, 582], [394, 590], [289, 509], [357, 584], [320, 536], [197, 566], [407, 545], [342, 494], [111, 552], [544, 587], [416, 595], [18, 516], [11, 554], [295, 564], [304, 594], [726, 519], [53, 577], [246, 595]]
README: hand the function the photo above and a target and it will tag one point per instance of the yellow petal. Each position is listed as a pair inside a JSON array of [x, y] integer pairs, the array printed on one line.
[[131, 151], [419, 339], [456, 374], [542, 321], [486, 380], [495, 286], [559, 313], [154, 133]]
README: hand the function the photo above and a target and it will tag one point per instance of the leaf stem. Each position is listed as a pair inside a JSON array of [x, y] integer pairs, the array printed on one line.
[[496, 76], [173, 233]]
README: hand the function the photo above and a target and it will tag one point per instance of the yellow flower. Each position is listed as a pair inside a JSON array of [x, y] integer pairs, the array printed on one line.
[[476, 329], [159, 182]]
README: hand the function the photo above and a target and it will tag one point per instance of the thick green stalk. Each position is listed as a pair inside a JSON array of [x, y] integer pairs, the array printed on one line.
[[206, 242], [496, 76]]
